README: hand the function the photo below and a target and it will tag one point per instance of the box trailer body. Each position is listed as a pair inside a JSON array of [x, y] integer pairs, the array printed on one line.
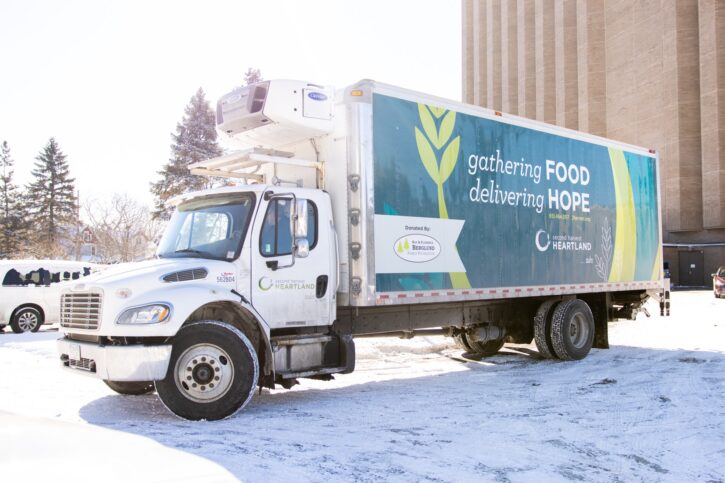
[[369, 211], [495, 205]]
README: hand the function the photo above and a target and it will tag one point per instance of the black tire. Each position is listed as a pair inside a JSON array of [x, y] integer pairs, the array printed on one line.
[[572, 330], [542, 329], [485, 349], [209, 355], [131, 388], [26, 319], [462, 342]]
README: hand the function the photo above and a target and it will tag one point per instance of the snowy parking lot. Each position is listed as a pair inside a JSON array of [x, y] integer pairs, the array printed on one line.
[[648, 409]]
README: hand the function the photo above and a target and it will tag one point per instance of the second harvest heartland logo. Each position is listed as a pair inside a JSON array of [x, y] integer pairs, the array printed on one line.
[[265, 284]]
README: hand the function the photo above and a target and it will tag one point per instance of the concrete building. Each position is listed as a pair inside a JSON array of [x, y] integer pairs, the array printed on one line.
[[646, 72]]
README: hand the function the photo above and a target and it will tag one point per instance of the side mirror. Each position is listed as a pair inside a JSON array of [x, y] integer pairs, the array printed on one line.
[[300, 230], [302, 248]]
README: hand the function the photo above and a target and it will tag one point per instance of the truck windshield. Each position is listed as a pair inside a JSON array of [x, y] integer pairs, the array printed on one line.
[[209, 228]]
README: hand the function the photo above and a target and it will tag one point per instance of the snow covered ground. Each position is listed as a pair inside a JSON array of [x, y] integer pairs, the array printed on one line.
[[648, 409]]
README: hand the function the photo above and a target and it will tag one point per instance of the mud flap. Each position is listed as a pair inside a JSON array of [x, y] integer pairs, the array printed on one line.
[[347, 353]]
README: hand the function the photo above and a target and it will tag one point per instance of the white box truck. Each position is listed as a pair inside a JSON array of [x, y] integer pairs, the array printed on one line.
[[371, 211]]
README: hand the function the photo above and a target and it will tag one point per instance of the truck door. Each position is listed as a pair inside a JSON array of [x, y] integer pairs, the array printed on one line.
[[291, 291]]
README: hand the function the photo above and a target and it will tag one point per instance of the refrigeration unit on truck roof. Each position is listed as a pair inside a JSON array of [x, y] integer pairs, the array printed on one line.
[[277, 112]]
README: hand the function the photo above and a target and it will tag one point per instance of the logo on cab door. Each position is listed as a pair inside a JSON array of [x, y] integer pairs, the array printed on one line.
[[265, 284]]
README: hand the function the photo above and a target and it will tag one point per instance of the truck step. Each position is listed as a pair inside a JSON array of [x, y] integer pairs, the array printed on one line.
[[287, 340], [311, 372]]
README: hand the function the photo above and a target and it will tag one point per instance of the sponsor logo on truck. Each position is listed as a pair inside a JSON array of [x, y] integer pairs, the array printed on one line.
[[417, 248]]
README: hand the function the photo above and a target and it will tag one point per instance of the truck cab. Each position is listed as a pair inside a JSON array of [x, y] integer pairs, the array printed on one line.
[[243, 289], [241, 263]]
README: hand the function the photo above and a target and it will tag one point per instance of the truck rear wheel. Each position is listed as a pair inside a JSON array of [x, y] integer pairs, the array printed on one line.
[[542, 329], [212, 374], [572, 330], [131, 388]]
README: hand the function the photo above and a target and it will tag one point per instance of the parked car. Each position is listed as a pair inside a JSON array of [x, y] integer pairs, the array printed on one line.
[[30, 291], [718, 282]]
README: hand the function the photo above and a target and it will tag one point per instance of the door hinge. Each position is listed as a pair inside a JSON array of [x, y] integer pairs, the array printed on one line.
[[355, 248], [356, 286], [354, 180], [354, 216]]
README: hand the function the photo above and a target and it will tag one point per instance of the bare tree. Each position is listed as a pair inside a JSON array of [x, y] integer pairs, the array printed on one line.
[[252, 76], [122, 229]]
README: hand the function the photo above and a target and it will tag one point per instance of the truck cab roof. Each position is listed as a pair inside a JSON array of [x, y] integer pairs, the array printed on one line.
[[246, 188]]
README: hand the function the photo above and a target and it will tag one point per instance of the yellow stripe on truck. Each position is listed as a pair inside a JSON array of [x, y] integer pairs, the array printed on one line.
[[625, 240], [657, 268]]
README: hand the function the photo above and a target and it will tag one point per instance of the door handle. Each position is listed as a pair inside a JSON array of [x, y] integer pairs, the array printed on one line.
[[321, 286]]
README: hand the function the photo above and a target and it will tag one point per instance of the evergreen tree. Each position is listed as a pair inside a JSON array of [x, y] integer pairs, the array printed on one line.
[[51, 201], [12, 217], [252, 76], [195, 140]]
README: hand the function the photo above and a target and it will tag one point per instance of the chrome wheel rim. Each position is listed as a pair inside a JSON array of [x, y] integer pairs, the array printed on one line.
[[27, 321], [578, 331], [204, 373]]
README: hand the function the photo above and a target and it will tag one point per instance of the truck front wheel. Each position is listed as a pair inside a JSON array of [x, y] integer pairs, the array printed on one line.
[[212, 374], [572, 330]]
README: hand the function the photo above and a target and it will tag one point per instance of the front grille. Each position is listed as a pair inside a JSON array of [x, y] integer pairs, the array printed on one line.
[[82, 364], [186, 275], [80, 310]]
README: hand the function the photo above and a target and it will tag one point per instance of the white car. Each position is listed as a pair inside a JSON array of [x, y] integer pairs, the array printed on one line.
[[30, 291]]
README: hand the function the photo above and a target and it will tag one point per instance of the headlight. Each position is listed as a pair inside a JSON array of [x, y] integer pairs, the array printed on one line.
[[146, 314]]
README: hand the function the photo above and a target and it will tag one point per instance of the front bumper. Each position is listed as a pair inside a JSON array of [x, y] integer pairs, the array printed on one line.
[[115, 363]]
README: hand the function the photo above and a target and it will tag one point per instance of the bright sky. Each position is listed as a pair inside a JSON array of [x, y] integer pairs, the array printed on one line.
[[110, 80]]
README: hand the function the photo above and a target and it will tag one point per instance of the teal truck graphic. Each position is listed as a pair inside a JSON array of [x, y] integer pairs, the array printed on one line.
[[535, 208]]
